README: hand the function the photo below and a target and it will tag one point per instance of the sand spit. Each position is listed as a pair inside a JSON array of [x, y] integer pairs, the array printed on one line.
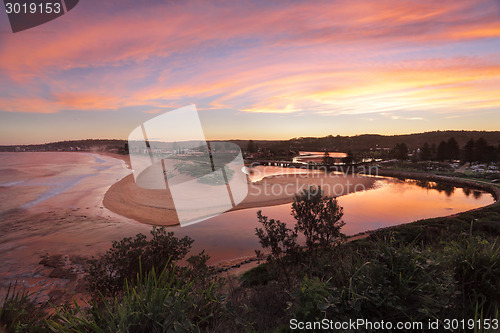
[[157, 207]]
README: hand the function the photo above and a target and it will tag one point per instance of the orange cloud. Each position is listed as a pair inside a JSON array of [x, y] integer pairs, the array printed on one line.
[[27, 104], [314, 57], [86, 101], [160, 30]]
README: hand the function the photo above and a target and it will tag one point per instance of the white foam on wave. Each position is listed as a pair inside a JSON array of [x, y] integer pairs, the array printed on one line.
[[57, 186]]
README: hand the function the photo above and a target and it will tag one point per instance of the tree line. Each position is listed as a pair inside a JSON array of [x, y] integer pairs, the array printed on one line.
[[473, 151]]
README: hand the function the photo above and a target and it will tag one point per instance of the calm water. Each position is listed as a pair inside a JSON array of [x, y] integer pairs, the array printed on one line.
[[391, 202], [38, 181]]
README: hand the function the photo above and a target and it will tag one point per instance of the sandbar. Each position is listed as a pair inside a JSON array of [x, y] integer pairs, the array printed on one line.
[[156, 207]]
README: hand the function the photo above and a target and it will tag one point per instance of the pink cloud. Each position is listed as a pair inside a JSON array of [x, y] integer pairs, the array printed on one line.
[[161, 30], [248, 57]]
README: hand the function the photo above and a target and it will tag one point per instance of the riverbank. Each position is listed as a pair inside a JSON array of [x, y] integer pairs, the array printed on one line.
[[238, 267], [75, 223], [431, 269], [489, 187], [156, 207]]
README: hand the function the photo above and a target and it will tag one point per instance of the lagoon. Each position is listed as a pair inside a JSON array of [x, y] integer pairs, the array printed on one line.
[[52, 202]]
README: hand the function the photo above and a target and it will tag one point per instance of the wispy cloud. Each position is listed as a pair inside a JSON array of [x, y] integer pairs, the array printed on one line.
[[324, 58]]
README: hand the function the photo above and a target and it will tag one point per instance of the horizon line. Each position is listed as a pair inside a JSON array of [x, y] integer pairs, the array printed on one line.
[[256, 139]]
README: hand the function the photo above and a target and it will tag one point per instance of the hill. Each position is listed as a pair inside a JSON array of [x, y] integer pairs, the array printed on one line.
[[367, 141], [361, 142]]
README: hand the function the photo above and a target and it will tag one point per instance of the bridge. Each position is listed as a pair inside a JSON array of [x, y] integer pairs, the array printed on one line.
[[355, 167]]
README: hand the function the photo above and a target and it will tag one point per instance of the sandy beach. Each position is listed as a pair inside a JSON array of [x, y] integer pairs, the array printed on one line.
[[57, 209], [157, 207], [55, 205], [51, 205]]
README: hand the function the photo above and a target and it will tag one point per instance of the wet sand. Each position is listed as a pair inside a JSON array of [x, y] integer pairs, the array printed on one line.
[[59, 209], [157, 207], [48, 210]]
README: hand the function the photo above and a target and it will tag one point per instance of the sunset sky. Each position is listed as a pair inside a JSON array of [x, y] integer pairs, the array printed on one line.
[[254, 70]]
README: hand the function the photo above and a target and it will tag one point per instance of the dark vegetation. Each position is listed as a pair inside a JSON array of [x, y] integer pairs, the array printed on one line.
[[432, 269], [365, 142], [358, 143], [118, 146], [448, 150], [467, 146], [19, 313], [374, 142], [108, 273]]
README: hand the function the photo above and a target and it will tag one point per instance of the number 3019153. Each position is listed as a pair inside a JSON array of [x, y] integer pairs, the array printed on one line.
[[33, 8]]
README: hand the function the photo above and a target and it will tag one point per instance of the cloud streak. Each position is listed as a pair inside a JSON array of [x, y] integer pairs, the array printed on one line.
[[323, 58]]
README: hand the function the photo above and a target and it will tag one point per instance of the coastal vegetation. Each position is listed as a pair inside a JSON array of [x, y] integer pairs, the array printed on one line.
[[433, 269], [364, 146], [428, 270]]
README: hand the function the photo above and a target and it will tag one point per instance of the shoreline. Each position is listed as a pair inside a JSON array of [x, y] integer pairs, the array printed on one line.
[[42, 232], [493, 189], [233, 267], [156, 207], [239, 265], [488, 187], [234, 263]]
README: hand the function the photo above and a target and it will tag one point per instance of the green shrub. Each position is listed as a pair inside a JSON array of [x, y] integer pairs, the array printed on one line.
[[256, 276], [387, 282], [19, 313], [276, 236], [312, 299], [280, 240], [107, 274], [318, 218], [151, 303], [476, 268]]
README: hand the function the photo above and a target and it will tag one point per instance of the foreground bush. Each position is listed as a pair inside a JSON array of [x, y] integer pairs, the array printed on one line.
[[318, 218], [107, 274], [390, 281], [476, 264], [154, 302], [429, 270], [19, 313], [435, 269]]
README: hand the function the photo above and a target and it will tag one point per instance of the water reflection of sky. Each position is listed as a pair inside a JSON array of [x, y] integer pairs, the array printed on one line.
[[232, 235], [389, 203]]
